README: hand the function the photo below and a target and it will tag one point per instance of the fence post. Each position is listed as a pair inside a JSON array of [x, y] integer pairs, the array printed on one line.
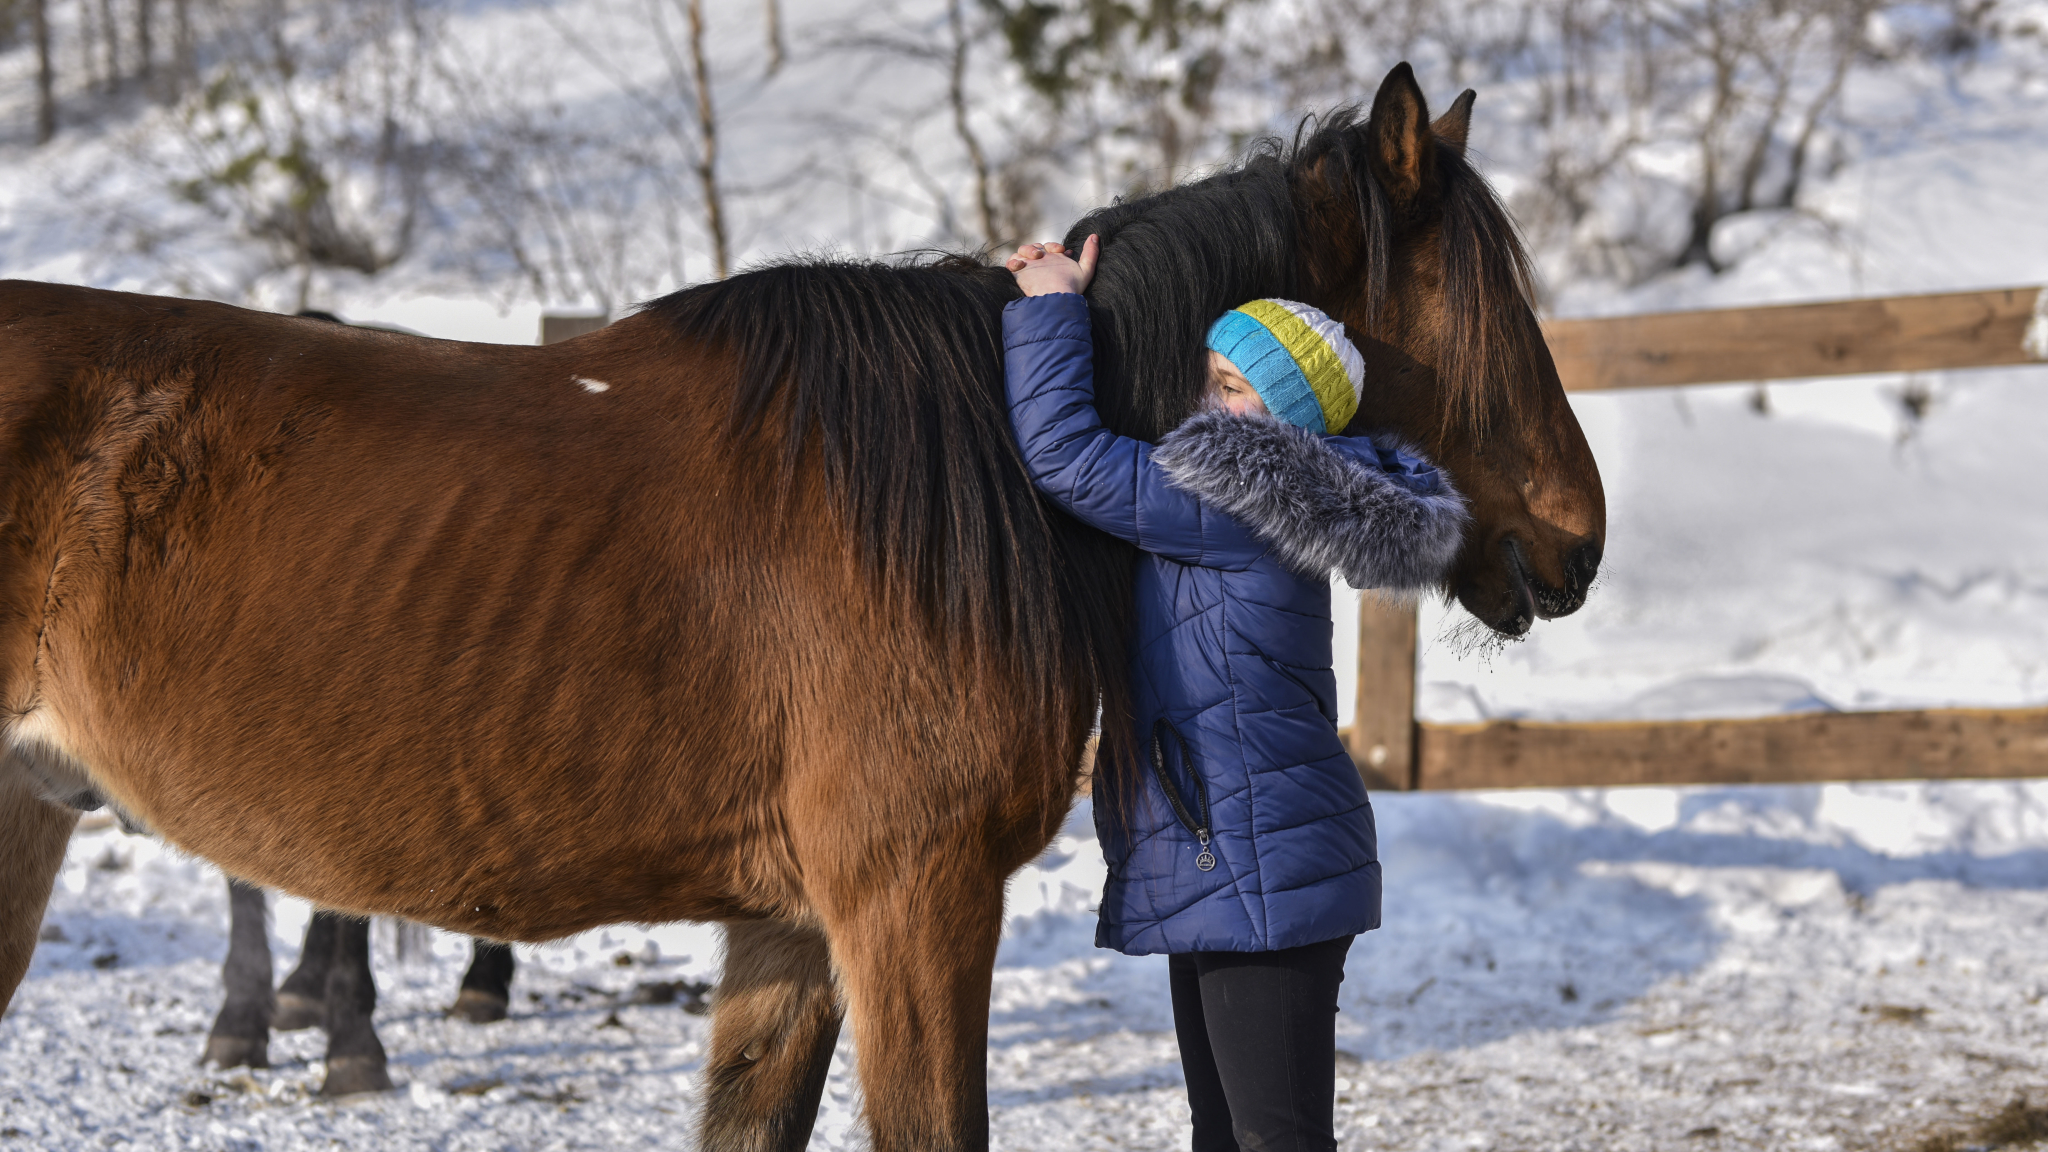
[[555, 327], [1382, 737]]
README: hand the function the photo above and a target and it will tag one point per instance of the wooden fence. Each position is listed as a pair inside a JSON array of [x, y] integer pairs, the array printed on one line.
[[1896, 334]]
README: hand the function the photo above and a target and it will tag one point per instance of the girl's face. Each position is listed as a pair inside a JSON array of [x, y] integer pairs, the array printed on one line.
[[1230, 391]]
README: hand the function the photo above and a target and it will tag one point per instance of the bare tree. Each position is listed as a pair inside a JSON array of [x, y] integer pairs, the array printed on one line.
[[778, 49], [145, 39], [46, 74], [956, 96], [308, 138], [707, 143], [684, 110], [110, 29], [982, 186], [1151, 70], [184, 51]]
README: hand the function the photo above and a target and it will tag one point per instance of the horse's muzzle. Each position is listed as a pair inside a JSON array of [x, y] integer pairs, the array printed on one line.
[[1548, 603], [1528, 598]]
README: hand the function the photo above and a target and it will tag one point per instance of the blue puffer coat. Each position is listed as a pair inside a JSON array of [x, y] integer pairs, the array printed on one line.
[[1251, 830]]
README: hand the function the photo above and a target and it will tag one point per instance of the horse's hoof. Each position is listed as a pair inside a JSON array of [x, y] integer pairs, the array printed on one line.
[[295, 1012], [348, 1075], [478, 1007], [236, 1052]]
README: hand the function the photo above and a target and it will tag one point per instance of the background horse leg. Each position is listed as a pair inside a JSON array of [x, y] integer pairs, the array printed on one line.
[[916, 957], [487, 986], [32, 839], [241, 1033], [774, 1024], [302, 998], [355, 1057]]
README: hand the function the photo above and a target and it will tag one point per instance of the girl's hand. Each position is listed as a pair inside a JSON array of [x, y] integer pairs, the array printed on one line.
[[1042, 269]]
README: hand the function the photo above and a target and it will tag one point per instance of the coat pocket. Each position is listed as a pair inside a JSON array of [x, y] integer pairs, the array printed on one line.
[[1195, 819]]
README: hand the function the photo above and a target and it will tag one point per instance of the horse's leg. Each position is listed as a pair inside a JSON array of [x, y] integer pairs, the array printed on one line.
[[775, 1021], [487, 986], [302, 998], [32, 838], [355, 1057], [241, 1033], [916, 956]]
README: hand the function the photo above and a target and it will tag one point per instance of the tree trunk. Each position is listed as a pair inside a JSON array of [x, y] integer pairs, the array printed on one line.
[[111, 29], [707, 143], [957, 92], [46, 74], [1795, 167], [184, 62], [778, 51], [145, 39]]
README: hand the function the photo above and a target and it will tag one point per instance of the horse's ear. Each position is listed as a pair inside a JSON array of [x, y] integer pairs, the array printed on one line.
[[1452, 126], [1400, 131]]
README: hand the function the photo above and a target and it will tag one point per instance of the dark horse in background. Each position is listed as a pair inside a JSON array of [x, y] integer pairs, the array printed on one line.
[[742, 609], [332, 989]]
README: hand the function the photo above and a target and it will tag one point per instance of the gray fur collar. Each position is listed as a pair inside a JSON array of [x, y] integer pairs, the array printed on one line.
[[1318, 509]]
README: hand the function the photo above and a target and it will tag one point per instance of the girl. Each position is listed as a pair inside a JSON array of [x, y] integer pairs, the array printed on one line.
[[1248, 854]]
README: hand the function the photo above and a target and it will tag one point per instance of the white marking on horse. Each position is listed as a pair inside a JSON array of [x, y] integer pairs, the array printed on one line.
[[590, 385]]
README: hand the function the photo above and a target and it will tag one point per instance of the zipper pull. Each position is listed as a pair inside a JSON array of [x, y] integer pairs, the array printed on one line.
[[1205, 861]]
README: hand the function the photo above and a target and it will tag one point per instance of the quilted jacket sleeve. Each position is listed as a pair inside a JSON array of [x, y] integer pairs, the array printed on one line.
[[1106, 480]]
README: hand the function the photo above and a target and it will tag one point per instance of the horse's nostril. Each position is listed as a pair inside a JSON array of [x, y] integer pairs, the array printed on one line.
[[1583, 563]]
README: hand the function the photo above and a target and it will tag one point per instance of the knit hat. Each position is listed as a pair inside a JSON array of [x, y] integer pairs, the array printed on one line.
[[1297, 359]]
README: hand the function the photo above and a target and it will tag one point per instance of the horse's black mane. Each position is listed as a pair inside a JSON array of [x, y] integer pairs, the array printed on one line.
[[894, 372], [1172, 263], [1175, 261]]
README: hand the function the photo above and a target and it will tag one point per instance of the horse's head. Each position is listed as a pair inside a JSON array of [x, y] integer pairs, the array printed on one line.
[[1406, 244], [1382, 224]]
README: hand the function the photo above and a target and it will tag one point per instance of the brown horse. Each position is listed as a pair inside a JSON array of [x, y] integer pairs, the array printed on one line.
[[741, 609]]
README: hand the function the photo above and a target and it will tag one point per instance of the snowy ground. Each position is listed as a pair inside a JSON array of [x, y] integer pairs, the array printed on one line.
[[1827, 968]]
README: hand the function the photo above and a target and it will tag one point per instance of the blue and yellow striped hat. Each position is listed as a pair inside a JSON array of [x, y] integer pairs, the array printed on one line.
[[1297, 359]]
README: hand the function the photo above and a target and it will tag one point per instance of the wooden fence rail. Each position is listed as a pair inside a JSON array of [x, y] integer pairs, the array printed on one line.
[[1394, 751]]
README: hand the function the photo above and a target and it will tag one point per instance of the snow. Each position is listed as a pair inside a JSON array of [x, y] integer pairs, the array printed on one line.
[[1792, 967], [1825, 967]]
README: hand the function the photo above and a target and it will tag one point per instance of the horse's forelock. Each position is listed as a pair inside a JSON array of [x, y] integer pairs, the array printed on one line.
[[1492, 345]]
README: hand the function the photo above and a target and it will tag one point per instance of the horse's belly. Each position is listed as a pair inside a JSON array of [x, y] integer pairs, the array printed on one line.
[[512, 865]]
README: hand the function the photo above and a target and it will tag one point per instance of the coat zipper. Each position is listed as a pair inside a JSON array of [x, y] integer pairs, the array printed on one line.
[[1206, 860]]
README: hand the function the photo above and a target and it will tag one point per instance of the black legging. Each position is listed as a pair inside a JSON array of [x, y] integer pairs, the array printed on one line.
[[1258, 1040]]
